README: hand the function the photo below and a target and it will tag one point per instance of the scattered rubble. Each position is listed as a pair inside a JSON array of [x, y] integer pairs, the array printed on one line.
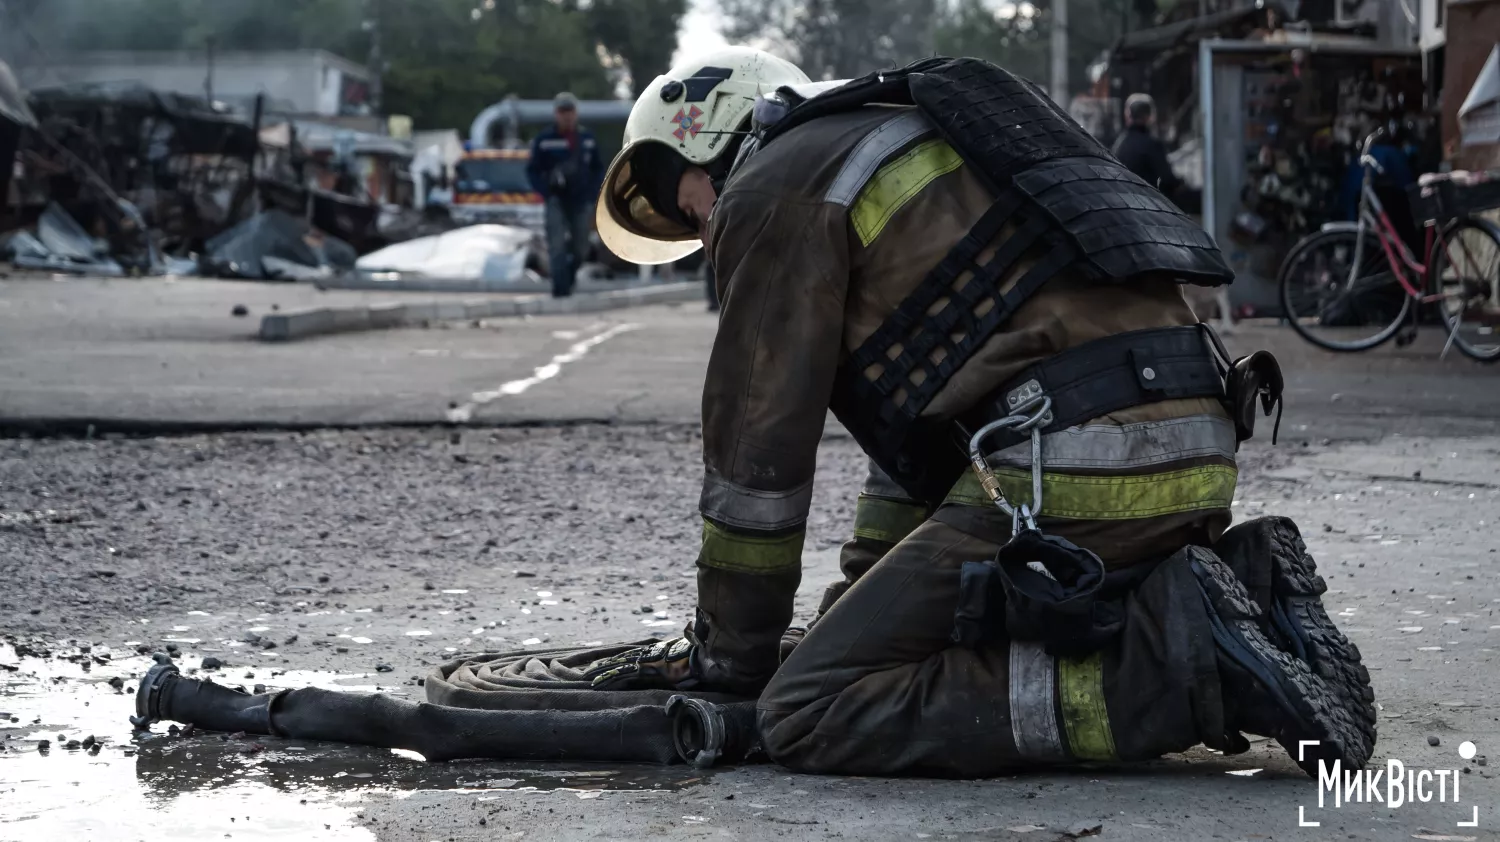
[[275, 246], [60, 245], [114, 177], [121, 180]]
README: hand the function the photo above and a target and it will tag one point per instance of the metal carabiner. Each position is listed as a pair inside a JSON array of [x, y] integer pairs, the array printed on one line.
[[1027, 418]]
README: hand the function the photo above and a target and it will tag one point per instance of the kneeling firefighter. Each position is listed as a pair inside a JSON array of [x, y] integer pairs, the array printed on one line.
[[954, 267], [1041, 570]]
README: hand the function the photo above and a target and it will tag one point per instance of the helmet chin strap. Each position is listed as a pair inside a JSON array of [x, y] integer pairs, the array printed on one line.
[[719, 169]]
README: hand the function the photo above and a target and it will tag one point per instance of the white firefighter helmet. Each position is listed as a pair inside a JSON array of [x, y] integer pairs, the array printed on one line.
[[694, 111]]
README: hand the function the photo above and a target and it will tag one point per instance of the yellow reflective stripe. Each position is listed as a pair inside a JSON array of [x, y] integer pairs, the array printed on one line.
[[1085, 717], [883, 519], [742, 553], [1081, 497], [894, 184]]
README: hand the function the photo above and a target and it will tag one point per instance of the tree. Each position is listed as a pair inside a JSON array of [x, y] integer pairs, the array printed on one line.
[[1018, 42], [445, 59], [188, 24], [832, 39], [446, 64], [841, 38], [642, 33]]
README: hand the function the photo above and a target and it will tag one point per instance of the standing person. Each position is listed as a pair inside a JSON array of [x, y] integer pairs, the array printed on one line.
[[1141, 151], [566, 169]]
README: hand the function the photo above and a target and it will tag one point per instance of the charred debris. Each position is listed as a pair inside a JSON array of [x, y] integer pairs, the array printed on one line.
[[124, 180]]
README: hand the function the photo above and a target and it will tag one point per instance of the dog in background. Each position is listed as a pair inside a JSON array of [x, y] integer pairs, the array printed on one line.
[[1208, 301]]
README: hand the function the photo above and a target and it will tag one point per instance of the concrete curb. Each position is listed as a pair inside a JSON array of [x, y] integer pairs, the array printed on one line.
[[360, 283], [286, 327]]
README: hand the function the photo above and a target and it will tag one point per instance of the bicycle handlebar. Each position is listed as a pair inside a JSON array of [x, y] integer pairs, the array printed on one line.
[[1366, 160]]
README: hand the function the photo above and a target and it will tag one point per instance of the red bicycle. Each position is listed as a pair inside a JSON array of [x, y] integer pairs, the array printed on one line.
[[1353, 285]]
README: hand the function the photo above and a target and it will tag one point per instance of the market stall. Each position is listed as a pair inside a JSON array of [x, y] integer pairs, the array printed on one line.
[[1282, 121]]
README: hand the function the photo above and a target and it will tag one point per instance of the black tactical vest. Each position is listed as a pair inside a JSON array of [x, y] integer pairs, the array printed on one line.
[[1070, 200]]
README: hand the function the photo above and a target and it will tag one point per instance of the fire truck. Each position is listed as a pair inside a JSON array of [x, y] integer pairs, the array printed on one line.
[[490, 185]]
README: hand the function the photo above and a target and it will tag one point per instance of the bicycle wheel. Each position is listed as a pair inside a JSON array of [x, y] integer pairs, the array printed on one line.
[[1465, 271], [1334, 304]]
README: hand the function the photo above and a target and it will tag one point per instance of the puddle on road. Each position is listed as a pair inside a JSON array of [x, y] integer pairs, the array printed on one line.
[[160, 787]]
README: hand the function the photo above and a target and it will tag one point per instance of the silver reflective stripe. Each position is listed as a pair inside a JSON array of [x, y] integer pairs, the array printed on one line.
[[879, 484], [748, 508], [871, 152], [1138, 445], [1033, 712]]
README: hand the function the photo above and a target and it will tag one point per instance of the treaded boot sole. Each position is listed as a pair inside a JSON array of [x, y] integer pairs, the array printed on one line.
[[1295, 584], [1311, 707]]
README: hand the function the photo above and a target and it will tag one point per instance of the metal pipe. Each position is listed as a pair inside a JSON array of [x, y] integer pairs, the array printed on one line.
[[538, 112], [1060, 53]]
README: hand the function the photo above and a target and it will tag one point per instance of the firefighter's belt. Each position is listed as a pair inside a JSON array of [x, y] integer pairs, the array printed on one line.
[[1107, 375]]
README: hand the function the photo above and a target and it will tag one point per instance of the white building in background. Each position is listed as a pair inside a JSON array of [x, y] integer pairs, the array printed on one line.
[[302, 82]]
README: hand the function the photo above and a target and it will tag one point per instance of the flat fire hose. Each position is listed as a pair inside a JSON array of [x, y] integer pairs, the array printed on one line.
[[505, 706], [702, 728]]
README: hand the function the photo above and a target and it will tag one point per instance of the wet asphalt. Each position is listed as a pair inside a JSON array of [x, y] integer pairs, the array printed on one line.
[[324, 557]]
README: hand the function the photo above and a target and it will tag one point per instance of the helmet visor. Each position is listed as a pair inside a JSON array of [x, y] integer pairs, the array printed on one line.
[[638, 216]]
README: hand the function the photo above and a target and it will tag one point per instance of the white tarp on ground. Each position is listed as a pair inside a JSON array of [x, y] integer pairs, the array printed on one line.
[[480, 252]]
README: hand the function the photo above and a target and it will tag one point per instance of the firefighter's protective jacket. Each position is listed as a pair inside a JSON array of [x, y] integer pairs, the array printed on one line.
[[816, 240]]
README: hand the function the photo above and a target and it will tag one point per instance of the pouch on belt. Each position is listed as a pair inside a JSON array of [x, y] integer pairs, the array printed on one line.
[[1045, 589]]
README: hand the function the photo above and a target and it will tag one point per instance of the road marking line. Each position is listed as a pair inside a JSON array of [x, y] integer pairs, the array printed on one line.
[[575, 352]]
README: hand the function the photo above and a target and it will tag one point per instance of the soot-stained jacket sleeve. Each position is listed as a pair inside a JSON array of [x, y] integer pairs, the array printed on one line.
[[782, 267]]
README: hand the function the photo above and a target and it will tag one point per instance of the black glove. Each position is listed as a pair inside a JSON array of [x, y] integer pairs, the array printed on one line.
[[659, 666]]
